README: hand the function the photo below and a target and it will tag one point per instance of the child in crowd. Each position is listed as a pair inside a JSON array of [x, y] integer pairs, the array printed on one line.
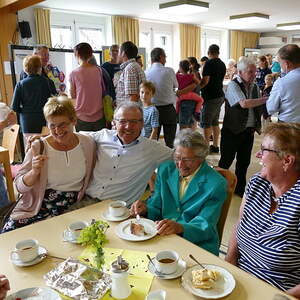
[[151, 115], [266, 90], [194, 106], [151, 118]]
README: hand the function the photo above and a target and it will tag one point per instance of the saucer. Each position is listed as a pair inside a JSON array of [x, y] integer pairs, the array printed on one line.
[[180, 270], [69, 237], [38, 259], [108, 217]]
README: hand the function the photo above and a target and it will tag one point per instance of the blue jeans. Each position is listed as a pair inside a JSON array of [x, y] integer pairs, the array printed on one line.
[[3, 193]]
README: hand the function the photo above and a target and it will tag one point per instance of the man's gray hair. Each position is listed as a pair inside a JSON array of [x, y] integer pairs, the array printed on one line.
[[244, 63], [188, 138], [129, 105], [36, 49]]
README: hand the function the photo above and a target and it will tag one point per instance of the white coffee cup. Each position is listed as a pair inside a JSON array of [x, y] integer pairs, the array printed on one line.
[[166, 261], [117, 208], [26, 250], [76, 227]]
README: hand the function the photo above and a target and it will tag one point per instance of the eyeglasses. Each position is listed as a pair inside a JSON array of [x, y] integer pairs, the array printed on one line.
[[262, 149], [62, 125], [184, 160], [131, 122]]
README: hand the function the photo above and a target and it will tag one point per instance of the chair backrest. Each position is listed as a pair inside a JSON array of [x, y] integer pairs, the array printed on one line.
[[9, 141], [231, 183], [45, 131]]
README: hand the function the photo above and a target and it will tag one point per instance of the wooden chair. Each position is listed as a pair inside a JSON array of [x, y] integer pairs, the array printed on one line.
[[5, 160], [231, 183], [45, 131], [9, 141]]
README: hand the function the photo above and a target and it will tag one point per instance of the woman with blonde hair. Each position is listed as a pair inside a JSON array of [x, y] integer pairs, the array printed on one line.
[[30, 96], [265, 241], [56, 170]]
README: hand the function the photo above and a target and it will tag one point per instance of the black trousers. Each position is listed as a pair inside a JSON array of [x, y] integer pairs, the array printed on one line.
[[167, 119], [237, 146]]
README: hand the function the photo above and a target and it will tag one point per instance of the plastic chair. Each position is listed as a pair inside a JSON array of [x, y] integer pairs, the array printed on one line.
[[231, 183]]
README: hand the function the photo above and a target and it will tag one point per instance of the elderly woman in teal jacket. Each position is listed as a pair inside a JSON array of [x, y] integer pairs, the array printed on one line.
[[189, 194]]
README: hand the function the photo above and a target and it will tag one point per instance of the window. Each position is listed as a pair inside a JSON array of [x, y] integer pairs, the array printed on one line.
[[61, 36], [164, 40], [92, 35], [219, 37], [157, 35]]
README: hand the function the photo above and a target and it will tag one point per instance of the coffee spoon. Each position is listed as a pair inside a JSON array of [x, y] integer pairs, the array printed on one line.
[[195, 260], [160, 274]]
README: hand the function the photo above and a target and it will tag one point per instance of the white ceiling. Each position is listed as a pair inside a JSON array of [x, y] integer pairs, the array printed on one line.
[[280, 11]]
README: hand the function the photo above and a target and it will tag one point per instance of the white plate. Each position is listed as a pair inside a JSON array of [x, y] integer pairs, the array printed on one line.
[[108, 217], [123, 230], [38, 259], [223, 286], [69, 237], [35, 294], [157, 295], [180, 269]]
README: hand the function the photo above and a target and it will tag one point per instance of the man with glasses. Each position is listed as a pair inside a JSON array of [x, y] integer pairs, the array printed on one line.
[[189, 194], [125, 159], [241, 120]]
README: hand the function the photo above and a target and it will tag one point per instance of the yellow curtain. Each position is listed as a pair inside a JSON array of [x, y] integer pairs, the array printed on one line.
[[240, 40], [42, 25], [189, 40], [125, 29]]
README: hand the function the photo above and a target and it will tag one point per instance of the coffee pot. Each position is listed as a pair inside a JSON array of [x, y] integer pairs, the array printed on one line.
[[120, 288]]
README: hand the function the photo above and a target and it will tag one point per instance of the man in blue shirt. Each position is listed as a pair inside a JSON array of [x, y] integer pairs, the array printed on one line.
[[285, 95], [188, 195]]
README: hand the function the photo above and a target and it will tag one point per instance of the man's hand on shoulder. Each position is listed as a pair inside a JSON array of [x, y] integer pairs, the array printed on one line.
[[166, 227]]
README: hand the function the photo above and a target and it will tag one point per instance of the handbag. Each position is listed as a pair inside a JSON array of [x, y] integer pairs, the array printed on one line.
[[7, 209]]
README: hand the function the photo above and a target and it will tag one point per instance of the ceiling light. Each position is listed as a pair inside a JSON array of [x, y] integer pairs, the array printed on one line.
[[184, 7], [288, 26], [250, 18]]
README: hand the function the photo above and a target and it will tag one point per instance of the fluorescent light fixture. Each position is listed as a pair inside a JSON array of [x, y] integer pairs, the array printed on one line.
[[288, 26], [250, 18], [184, 7]]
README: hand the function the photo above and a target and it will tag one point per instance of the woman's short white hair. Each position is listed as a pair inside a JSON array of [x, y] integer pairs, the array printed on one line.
[[189, 138], [231, 62], [244, 63]]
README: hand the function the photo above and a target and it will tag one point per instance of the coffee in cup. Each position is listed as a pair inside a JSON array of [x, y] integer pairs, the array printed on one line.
[[26, 250], [117, 208], [76, 228], [167, 261]]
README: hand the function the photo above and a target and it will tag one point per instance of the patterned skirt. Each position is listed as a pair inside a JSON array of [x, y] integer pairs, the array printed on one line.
[[54, 203]]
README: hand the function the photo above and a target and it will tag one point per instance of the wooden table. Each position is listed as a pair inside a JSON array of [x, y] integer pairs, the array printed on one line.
[[49, 234]]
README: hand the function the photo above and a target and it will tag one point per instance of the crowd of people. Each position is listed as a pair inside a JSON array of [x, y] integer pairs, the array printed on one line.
[[68, 169]]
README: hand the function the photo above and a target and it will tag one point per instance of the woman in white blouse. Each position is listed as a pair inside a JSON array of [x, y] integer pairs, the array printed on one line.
[[56, 170]]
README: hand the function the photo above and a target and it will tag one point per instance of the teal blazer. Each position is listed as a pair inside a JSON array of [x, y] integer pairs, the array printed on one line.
[[199, 209]]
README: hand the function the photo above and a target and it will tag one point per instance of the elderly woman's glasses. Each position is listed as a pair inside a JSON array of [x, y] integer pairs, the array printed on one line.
[[262, 149], [62, 125], [178, 158]]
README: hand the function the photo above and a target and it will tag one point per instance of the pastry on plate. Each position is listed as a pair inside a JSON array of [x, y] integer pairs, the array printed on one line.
[[137, 229], [204, 279]]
